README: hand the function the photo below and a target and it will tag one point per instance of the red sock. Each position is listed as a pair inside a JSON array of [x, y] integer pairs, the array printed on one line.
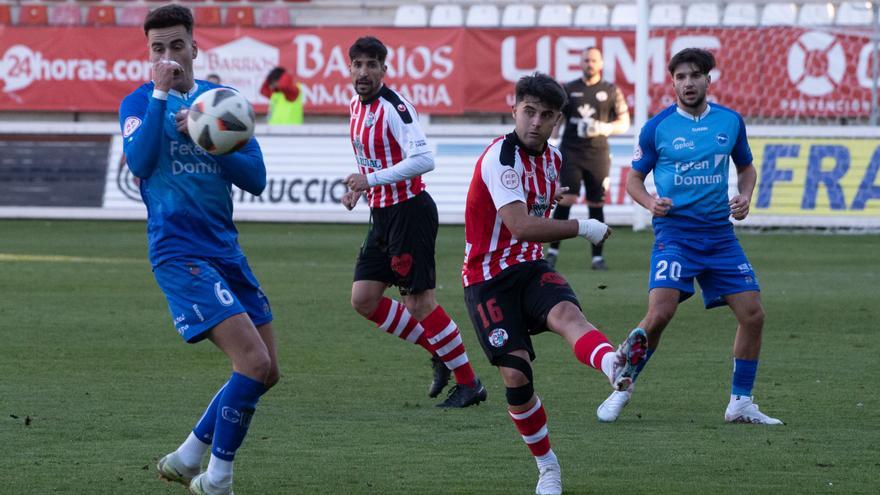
[[532, 425], [590, 348], [444, 338], [392, 317]]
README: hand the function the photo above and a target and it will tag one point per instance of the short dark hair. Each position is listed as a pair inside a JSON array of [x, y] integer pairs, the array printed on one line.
[[169, 16], [275, 74], [542, 87], [369, 46], [702, 59]]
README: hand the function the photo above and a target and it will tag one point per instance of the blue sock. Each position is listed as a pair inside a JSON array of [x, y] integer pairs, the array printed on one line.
[[234, 412], [648, 354], [204, 429], [744, 372]]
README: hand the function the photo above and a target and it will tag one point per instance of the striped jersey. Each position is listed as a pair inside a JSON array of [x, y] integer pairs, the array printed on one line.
[[385, 131], [505, 173]]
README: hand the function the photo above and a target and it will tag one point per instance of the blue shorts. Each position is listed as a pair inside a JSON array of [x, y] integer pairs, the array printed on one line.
[[718, 263], [202, 292]]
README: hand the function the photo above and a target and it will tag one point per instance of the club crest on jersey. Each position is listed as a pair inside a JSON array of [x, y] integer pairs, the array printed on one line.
[[637, 153], [722, 139], [370, 120], [601, 96], [510, 179], [131, 125], [498, 337], [550, 170], [540, 206]]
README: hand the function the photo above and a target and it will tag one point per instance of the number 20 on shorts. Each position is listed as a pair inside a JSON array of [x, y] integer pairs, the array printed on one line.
[[673, 269]]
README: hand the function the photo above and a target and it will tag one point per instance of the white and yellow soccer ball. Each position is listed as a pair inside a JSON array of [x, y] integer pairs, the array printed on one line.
[[221, 121]]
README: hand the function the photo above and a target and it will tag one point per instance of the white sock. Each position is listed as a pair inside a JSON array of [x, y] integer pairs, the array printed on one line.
[[219, 472], [608, 361], [553, 251], [192, 450], [548, 459], [597, 258]]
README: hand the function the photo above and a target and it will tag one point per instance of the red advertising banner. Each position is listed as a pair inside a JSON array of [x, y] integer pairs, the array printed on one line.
[[763, 72]]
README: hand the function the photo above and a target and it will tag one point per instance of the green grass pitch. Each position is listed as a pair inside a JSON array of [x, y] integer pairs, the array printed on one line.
[[96, 385]]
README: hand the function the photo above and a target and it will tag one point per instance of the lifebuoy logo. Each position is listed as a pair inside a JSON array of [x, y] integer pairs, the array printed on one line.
[[21, 66], [831, 63]]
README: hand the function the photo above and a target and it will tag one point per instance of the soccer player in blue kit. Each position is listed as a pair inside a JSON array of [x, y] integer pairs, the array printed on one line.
[[193, 246], [688, 146]]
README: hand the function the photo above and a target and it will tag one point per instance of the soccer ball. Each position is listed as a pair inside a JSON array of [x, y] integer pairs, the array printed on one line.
[[220, 121]]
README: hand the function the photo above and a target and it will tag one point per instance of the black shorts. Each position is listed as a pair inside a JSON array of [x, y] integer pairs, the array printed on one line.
[[591, 170], [508, 309], [399, 248]]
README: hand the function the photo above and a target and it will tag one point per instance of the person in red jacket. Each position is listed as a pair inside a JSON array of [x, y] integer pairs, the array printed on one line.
[[285, 103]]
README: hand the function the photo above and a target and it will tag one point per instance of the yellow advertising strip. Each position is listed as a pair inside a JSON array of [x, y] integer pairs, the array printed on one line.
[[827, 177]]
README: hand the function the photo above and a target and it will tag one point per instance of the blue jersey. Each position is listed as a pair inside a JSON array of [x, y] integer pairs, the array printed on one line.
[[690, 158], [188, 192]]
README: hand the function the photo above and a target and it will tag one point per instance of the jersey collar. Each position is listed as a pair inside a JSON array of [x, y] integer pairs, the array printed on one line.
[[188, 94], [695, 118], [512, 137]]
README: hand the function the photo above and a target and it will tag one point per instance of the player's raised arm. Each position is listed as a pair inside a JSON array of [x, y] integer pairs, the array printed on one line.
[[245, 168]]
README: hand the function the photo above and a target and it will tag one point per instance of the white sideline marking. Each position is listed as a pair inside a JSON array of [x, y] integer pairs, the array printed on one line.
[[10, 257]]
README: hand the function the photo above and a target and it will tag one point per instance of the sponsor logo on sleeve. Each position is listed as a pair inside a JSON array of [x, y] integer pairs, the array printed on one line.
[[637, 153], [510, 179], [131, 125], [401, 107]]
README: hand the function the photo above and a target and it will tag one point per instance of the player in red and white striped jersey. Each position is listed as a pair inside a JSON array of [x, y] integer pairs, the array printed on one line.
[[392, 153], [510, 291]]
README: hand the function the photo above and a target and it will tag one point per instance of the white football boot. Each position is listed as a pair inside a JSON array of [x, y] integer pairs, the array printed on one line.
[[202, 486], [742, 409], [549, 480], [609, 410], [171, 468]]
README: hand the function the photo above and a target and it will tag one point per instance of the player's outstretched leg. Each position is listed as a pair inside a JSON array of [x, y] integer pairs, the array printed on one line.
[[184, 464], [445, 339], [393, 318]]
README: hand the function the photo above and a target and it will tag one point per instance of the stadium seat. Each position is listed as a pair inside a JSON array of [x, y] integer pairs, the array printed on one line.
[[816, 14], [591, 15], [131, 16], [702, 14], [446, 16], [483, 16], [65, 15], [518, 16], [239, 16], [740, 14], [273, 17], [5, 15], [665, 14], [779, 14], [854, 14], [33, 15], [624, 15], [101, 15], [411, 16], [555, 15], [210, 16]]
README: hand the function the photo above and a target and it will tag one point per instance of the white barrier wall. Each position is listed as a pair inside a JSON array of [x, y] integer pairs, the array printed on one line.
[[807, 177]]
